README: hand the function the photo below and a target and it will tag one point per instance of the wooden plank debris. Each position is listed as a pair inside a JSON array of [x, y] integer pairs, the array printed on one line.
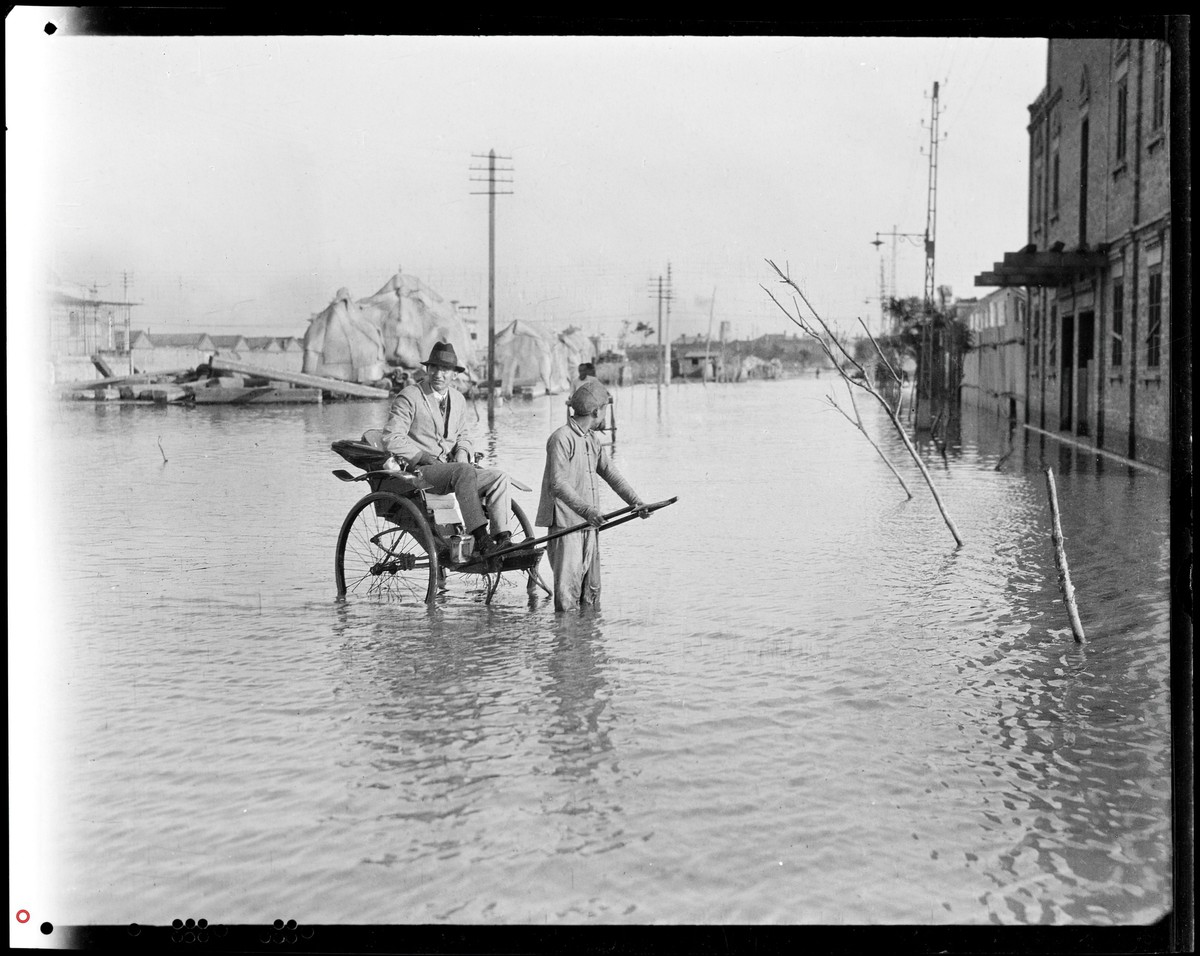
[[224, 364], [141, 378], [165, 393], [103, 366], [218, 395]]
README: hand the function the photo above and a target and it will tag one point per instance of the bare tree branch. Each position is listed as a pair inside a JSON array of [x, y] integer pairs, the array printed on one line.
[[882, 358], [859, 425], [828, 331], [865, 384]]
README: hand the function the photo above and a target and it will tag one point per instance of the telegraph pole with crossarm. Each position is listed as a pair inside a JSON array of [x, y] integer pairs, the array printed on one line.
[[661, 290], [491, 192]]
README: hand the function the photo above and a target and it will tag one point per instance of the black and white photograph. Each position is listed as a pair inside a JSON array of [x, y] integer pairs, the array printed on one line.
[[660, 477]]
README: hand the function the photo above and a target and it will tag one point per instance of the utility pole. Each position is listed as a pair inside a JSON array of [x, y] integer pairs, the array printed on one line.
[[491, 192], [708, 338], [660, 338], [667, 366], [907, 237], [925, 369], [882, 299], [663, 294], [125, 277], [931, 208]]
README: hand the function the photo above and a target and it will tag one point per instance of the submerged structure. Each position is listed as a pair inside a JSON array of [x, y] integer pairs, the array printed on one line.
[[340, 343], [412, 318], [531, 355], [360, 340]]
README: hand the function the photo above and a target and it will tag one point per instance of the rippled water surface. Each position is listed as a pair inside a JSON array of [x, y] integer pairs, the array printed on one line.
[[798, 702]]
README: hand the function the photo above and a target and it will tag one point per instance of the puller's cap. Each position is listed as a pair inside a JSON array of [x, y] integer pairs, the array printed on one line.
[[590, 396]]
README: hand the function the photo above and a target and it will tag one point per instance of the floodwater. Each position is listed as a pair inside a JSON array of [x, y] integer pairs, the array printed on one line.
[[797, 704]]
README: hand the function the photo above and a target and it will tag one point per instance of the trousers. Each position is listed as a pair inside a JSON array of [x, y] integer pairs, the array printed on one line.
[[472, 487], [575, 559], [494, 488]]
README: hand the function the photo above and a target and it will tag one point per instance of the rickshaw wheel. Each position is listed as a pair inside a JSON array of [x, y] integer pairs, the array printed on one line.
[[522, 530], [386, 549], [519, 524]]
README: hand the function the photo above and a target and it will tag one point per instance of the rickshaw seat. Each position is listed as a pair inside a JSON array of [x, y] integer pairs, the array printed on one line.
[[371, 453]]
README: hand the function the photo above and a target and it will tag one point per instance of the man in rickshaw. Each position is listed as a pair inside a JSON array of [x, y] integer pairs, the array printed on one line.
[[571, 495], [426, 432]]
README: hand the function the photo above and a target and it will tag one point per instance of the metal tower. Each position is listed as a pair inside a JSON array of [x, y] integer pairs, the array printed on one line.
[[931, 208]]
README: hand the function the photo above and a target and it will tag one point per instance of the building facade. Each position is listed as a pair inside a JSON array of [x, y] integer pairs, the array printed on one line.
[[994, 367], [1096, 269]]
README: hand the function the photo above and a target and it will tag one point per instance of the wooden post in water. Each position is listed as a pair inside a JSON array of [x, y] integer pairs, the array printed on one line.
[[1060, 557]]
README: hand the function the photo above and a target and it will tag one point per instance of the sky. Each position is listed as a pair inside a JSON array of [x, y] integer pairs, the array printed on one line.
[[234, 184]]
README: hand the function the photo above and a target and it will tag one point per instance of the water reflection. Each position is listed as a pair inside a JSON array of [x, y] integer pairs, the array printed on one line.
[[461, 727], [1064, 837], [578, 736]]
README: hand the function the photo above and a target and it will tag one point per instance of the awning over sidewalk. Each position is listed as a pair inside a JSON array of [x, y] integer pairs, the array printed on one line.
[[1053, 267]]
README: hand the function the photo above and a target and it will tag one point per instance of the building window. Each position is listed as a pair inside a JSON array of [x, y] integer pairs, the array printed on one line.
[[1118, 322], [1037, 193], [1054, 184], [1154, 319], [1158, 100], [75, 325], [1122, 114], [1083, 181]]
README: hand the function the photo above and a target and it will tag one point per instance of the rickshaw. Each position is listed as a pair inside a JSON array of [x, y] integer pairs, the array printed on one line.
[[400, 541]]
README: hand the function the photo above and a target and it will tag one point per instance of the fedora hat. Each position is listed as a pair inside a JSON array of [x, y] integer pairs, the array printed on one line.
[[443, 354]]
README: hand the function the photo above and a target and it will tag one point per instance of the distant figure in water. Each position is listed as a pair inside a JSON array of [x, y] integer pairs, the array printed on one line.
[[818, 373], [586, 370]]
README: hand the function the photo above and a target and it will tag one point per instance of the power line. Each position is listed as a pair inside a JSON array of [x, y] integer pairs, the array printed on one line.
[[971, 88]]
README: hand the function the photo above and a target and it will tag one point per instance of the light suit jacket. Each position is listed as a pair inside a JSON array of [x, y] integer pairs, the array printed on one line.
[[417, 432], [574, 461]]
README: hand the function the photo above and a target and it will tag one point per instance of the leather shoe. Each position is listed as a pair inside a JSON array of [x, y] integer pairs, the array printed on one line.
[[485, 544]]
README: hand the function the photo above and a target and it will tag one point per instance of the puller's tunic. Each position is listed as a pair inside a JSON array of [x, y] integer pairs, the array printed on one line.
[[575, 462]]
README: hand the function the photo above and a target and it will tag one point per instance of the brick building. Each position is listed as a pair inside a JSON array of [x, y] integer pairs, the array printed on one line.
[[1096, 269]]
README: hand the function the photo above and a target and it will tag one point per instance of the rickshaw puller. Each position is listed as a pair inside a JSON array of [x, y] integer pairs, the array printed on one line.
[[571, 495]]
